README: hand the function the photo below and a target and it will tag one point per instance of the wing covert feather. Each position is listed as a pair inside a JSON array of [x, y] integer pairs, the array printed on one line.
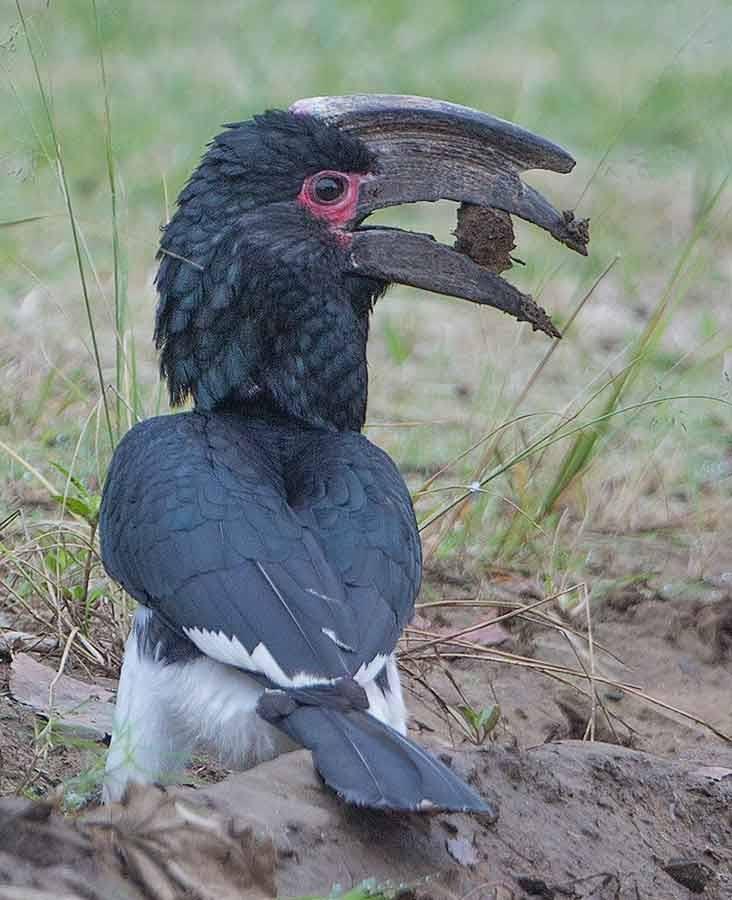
[[301, 541]]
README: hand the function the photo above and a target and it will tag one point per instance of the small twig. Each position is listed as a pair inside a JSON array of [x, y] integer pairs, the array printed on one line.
[[449, 638], [490, 654], [567, 886], [181, 258], [8, 519], [123, 400], [92, 652], [536, 618], [591, 650], [61, 665], [88, 563], [441, 702], [22, 603], [28, 467], [637, 692], [608, 715]]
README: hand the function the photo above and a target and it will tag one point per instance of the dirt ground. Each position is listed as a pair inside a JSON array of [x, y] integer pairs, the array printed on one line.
[[668, 634], [577, 819]]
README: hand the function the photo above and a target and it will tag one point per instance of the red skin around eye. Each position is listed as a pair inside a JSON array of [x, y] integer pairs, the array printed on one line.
[[337, 214]]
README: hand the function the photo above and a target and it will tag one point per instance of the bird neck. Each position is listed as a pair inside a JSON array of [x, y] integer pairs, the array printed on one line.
[[289, 340], [311, 368]]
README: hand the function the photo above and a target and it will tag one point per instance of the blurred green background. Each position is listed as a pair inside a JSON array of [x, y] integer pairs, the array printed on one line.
[[640, 93]]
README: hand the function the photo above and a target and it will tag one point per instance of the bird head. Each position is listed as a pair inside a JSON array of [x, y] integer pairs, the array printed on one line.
[[269, 271]]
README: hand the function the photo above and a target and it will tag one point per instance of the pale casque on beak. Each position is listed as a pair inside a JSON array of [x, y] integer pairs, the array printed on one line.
[[429, 150]]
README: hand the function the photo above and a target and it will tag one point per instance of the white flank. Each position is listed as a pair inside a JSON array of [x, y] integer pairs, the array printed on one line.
[[388, 705], [165, 710], [369, 671], [231, 651], [378, 703]]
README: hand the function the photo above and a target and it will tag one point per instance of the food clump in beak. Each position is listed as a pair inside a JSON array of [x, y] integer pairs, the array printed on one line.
[[486, 236]]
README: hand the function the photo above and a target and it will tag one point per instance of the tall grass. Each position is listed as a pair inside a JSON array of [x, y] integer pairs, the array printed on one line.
[[56, 156], [580, 454], [119, 256], [591, 440], [127, 398], [51, 571]]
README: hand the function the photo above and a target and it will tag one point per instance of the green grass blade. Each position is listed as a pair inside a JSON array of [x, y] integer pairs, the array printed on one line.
[[545, 441], [584, 447], [118, 254], [11, 223], [59, 160]]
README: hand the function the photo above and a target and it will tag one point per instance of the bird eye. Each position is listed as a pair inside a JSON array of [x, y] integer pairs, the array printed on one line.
[[329, 187]]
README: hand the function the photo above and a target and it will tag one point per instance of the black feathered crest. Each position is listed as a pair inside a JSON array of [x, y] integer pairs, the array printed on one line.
[[240, 260], [281, 145]]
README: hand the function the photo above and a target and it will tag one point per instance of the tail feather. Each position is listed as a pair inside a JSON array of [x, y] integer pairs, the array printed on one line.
[[367, 763]]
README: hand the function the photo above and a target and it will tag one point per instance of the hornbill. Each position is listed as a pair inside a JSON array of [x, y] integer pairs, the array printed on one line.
[[272, 548]]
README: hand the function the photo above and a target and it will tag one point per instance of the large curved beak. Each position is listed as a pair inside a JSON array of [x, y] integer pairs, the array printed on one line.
[[428, 150]]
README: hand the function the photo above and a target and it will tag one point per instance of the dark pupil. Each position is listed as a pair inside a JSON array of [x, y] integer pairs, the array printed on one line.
[[328, 189]]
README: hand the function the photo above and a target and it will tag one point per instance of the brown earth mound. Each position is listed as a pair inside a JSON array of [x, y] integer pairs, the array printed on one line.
[[577, 820]]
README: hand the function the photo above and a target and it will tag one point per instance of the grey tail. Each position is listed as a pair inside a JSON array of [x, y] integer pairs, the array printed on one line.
[[370, 764]]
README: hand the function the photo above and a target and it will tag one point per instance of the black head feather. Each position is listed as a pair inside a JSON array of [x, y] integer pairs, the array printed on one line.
[[256, 309]]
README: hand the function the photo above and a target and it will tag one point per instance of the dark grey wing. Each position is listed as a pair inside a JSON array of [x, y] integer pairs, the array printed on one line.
[[351, 495], [195, 524]]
